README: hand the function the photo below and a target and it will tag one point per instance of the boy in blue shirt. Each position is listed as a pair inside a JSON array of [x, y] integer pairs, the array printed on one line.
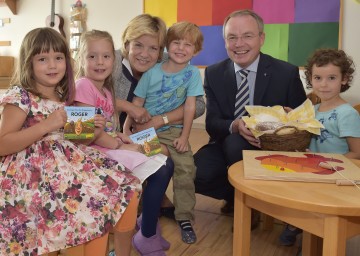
[[163, 88]]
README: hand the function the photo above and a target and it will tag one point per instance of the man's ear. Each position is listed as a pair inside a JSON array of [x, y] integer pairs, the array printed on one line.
[[262, 38]]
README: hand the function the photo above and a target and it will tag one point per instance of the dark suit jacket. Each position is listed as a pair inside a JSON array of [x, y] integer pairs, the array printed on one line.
[[277, 83]]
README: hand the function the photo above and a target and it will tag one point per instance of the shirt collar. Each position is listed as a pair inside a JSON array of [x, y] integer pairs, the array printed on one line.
[[252, 67], [126, 63]]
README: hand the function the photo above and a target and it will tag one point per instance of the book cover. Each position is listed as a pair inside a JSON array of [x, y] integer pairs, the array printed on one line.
[[149, 141], [80, 123]]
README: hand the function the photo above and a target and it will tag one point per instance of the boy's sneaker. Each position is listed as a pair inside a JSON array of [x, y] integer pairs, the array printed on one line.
[[187, 232], [288, 236]]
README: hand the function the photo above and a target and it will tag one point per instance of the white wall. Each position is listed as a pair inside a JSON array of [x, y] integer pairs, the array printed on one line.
[[113, 15], [110, 15]]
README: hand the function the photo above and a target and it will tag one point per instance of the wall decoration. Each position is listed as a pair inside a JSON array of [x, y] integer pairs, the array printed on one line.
[[77, 25], [55, 21], [288, 24]]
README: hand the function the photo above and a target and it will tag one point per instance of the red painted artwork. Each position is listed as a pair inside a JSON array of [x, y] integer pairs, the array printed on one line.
[[312, 163], [299, 166]]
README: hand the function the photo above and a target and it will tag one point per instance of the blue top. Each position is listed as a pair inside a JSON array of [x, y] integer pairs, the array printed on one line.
[[164, 92], [340, 122]]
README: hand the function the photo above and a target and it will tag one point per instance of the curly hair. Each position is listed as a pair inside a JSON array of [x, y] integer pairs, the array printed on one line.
[[339, 58]]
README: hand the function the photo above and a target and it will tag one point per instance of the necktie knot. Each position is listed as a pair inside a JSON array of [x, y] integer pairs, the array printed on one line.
[[244, 73]]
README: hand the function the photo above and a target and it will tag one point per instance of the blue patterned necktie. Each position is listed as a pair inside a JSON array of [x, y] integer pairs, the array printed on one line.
[[242, 95]]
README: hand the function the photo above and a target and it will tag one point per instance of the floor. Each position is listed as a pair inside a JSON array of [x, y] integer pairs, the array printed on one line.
[[214, 230]]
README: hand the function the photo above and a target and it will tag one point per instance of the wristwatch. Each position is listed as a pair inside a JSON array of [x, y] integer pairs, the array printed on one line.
[[165, 118]]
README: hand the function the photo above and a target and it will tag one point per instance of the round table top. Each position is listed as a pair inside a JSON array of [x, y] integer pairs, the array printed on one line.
[[314, 197]]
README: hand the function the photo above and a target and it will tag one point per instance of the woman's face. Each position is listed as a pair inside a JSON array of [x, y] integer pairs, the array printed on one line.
[[143, 54]]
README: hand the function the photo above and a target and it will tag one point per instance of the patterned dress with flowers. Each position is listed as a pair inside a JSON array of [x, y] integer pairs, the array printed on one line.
[[56, 194]]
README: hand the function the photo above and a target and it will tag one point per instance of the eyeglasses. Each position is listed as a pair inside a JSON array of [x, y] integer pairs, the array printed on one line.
[[245, 38]]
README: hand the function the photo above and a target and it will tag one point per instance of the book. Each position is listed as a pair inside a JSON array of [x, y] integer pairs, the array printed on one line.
[[149, 167], [148, 140], [80, 123], [139, 164]]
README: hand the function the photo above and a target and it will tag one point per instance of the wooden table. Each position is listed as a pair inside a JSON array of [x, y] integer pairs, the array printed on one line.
[[322, 210]]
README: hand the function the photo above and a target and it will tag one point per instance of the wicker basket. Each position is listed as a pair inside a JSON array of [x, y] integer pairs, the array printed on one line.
[[297, 141]]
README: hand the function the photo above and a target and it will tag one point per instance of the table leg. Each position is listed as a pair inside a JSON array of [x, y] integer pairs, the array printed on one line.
[[311, 244], [242, 223], [334, 236]]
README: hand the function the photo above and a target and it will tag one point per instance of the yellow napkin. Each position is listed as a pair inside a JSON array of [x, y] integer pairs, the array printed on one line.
[[302, 117]]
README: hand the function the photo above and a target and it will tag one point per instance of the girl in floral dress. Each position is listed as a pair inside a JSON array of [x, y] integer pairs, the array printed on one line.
[[54, 194]]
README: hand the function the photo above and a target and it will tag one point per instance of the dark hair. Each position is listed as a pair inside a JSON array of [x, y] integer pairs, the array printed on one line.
[[42, 40], [339, 58]]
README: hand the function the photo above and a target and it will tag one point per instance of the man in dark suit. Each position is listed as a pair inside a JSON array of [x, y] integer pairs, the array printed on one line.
[[270, 82]]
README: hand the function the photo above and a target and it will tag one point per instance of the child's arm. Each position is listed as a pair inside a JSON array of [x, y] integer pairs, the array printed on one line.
[[181, 144], [354, 148], [175, 116], [134, 111], [15, 138], [129, 122]]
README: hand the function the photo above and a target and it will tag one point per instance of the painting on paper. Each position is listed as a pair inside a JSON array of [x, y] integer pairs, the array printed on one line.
[[299, 166]]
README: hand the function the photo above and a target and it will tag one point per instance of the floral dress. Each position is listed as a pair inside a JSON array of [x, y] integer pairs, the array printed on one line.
[[56, 194]]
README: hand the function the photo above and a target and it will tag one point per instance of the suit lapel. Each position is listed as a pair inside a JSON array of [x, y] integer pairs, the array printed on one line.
[[263, 76]]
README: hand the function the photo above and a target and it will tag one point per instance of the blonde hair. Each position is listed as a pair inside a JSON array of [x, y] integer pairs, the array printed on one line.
[[144, 24], [183, 29], [85, 38], [42, 40]]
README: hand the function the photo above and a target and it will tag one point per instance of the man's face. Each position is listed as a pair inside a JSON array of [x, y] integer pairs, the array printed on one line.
[[243, 40]]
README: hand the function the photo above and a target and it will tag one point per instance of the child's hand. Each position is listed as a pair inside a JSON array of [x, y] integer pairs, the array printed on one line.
[[99, 121], [131, 147], [124, 138], [56, 120], [139, 114], [181, 144]]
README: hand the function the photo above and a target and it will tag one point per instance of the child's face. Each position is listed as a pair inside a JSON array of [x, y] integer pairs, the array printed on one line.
[[49, 69], [98, 61], [181, 51], [326, 81]]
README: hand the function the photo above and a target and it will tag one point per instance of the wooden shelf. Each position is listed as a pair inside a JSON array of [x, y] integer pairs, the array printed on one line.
[[5, 43], [9, 3]]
